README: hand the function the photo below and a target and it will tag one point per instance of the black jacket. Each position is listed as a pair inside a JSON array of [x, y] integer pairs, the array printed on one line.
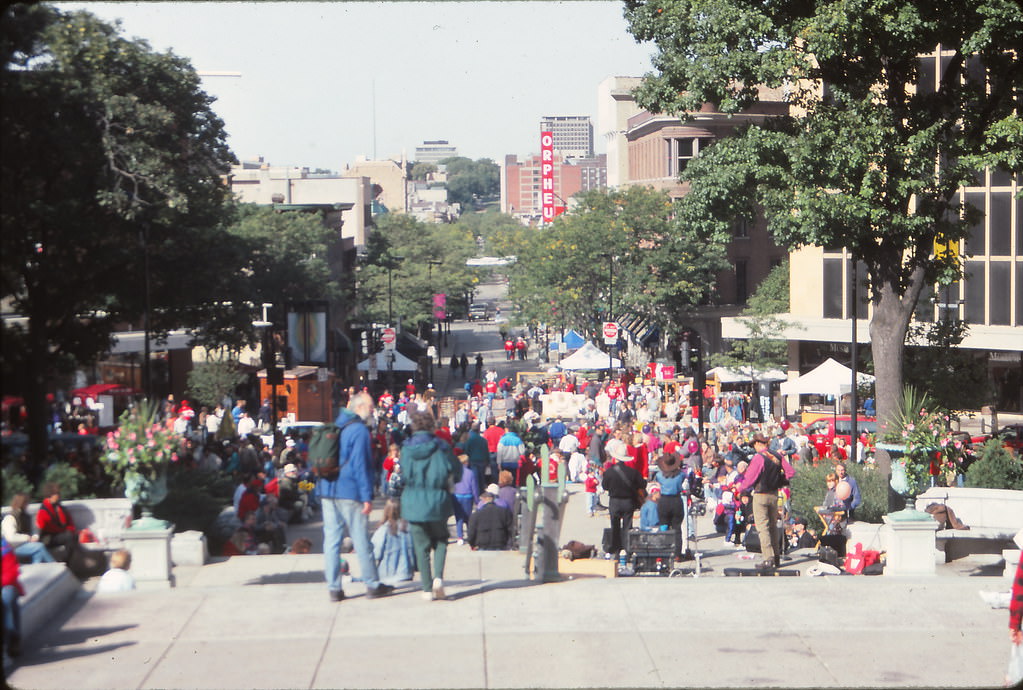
[[490, 527], [622, 481]]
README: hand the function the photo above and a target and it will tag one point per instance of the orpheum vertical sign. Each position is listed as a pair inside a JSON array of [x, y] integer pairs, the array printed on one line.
[[547, 176]]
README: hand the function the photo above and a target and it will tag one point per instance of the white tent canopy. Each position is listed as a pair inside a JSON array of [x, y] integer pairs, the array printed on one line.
[[830, 378], [401, 362], [590, 357], [726, 375]]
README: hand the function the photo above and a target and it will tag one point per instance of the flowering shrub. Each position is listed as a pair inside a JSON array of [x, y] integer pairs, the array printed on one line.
[[140, 444], [931, 448]]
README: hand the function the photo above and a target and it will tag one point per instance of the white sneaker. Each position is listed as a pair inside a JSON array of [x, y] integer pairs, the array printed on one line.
[[461, 541], [427, 596], [438, 589]]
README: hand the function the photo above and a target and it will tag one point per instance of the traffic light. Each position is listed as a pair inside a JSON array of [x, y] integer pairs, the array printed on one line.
[[684, 350], [695, 352]]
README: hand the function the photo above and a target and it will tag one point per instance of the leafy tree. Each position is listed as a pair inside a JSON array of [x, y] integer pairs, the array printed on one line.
[[210, 381], [762, 349], [855, 167], [420, 171], [112, 154], [661, 264], [937, 365], [413, 279], [470, 181]]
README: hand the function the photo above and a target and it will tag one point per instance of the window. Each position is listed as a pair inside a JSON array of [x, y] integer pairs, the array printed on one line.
[[1019, 293], [975, 292], [741, 284], [925, 305], [740, 228], [925, 81], [1000, 223], [1001, 305], [684, 150], [833, 288], [975, 243]]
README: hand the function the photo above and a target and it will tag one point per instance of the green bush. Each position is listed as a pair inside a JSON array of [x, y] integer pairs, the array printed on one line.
[[808, 491], [71, 482], [194, 499], [15, 483], [995, 468]]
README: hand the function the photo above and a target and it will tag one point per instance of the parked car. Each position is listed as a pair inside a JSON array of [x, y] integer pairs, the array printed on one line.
[[479, 312], [1011, 435], [824, 431]]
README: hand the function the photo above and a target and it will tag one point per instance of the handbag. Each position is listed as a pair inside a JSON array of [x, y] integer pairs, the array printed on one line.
[[1014, 676]]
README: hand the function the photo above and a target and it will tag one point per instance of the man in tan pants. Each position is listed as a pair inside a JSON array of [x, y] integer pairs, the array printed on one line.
[[766, 474]]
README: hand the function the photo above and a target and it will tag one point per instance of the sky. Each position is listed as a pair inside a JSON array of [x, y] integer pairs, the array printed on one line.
[[325, 82]]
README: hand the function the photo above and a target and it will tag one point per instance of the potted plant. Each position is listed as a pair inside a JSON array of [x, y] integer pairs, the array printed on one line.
[[137, 456], [921, 444]]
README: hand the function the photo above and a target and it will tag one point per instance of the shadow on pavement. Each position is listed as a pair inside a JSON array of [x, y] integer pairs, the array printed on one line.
[[485, 587], [294, 578]]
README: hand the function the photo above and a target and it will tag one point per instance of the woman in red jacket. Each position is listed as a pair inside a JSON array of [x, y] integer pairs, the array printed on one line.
[[56, 528]]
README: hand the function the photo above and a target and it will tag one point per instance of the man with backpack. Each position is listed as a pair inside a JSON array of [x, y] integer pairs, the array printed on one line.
[[346, 494], [766, 474]]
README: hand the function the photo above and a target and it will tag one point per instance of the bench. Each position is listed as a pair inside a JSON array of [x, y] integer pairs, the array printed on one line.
[[104, 517], [994, 516], [48, 589]]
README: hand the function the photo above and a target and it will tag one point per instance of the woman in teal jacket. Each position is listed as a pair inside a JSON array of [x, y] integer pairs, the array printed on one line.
[[430, 469]]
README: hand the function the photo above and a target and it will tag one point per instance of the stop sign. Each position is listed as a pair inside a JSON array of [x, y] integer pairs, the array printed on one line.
[[387, 337], [610, 330]]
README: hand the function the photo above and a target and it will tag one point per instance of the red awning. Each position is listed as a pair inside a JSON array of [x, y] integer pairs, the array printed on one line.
[[11, 400], [98, 389]]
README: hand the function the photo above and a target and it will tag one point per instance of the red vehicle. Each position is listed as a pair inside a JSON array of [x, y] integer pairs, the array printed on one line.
[[825, 430], [1011, 435]]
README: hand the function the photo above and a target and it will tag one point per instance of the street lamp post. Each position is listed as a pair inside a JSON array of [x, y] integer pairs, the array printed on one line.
[[390, 267], [431, 263], [610, 307], [270, 361]]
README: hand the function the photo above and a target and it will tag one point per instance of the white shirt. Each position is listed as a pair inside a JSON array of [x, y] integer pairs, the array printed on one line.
[[115, 580], [246, 425]]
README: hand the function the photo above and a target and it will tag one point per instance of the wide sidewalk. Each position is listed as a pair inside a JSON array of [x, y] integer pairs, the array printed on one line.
[[266, 622]]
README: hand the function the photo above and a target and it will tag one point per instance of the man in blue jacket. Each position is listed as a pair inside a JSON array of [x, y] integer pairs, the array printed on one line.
[[347, 500]]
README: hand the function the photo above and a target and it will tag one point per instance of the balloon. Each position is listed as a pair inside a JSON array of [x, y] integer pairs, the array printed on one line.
[[843, 491]]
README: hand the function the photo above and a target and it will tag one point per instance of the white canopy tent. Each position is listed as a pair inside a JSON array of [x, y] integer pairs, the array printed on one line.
[[726, 375], [401, 362], [590, 357], [830, 378]]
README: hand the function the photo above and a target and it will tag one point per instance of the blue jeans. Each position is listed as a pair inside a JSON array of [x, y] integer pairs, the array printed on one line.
[[462, 504], [12, 614], [35, 550], [339, 514]]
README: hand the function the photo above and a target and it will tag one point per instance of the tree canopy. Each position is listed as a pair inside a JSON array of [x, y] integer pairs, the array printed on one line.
[[661, 266], [856, 164], [471, 181], [111, 152], [408, 246]]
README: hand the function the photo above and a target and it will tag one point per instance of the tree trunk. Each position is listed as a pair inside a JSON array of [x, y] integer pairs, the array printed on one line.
[[888, 326], [35, 396]]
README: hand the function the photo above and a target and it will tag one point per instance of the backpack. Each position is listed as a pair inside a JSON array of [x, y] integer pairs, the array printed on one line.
[[324, 452]]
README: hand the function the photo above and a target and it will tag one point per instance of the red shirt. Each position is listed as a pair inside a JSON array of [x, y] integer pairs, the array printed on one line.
[[493, 434], [444, 433], [491, 387], [509, 345], [639, 461], [591, 485], [613, 391]]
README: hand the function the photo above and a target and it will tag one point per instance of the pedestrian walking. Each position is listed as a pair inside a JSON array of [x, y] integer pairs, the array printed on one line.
[[430, 468], [346, 500], [765, 475]]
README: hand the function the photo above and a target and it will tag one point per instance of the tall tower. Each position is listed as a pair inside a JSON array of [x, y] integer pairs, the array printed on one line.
[[573, 134]]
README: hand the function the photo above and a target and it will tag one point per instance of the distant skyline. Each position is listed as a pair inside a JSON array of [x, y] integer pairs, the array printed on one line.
[[325, 82]]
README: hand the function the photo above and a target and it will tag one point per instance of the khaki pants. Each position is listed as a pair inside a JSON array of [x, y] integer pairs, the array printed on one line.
[[765, 516]]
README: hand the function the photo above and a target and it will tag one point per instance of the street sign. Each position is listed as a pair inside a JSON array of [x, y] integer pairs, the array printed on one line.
[[388, 337], [611, 332]]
